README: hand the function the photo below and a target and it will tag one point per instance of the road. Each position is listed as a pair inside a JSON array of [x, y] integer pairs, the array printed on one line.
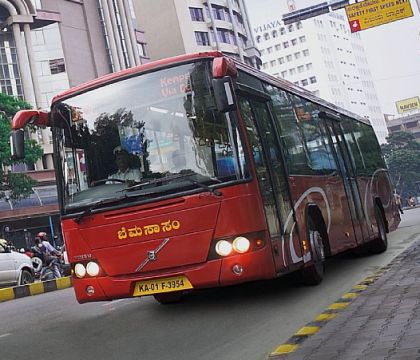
[[245, 322]]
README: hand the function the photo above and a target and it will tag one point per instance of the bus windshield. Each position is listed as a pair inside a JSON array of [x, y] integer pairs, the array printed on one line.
[[144, 137]]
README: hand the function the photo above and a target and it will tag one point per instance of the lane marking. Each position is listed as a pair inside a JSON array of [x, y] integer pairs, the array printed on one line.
[[4, 335], [325, 317], [338, 306]]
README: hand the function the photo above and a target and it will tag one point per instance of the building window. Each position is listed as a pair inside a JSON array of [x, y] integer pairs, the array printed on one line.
[[283, 74], [294, 42], [290, 28], [262, 51], [300, 69], [305, 52], [258, 38], [298, 25], [297, 55], [273, 63], [281, 60], [309, 66], [302, 39], [202, 38], [221, 13], [289, 58], [270, 50], [282, 31], [304, 82], [312, 79], [286, 44], [266, 36], [57, 66], [292, 71], [226, 36], [274, 33], [196, 14], [277, 47]]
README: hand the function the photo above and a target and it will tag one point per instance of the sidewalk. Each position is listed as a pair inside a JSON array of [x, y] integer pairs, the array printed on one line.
[[379, 321]]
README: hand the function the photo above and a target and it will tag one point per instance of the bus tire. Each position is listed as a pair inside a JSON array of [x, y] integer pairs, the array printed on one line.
[[314, 273], [380, 244], [168, 298]]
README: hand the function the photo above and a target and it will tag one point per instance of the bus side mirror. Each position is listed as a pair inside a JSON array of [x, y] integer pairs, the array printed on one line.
[[224, 94], [17, 144]]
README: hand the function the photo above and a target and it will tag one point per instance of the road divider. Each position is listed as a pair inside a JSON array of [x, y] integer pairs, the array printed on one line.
[[313, 327], [36, 288]]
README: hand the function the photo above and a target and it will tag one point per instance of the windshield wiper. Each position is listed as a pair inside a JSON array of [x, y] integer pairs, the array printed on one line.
[[157, 181], [97, 204], [206, 187]]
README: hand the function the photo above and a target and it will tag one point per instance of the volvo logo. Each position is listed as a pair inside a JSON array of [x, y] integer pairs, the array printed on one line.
[[152, 255]]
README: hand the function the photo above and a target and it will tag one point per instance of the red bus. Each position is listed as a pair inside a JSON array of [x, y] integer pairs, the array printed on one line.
[[230, 176]]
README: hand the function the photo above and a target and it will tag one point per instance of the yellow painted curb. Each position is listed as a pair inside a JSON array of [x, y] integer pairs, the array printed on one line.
[[338, 306], [36, 288], [284, 349], [350, 295], [325, 317], [360, 287], [308, 330], [64, 282], [7, 294]]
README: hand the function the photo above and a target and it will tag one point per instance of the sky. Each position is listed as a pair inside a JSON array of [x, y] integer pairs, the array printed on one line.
[[392, 50]]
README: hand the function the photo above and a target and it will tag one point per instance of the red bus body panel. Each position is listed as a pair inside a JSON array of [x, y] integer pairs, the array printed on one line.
[[201, 217]]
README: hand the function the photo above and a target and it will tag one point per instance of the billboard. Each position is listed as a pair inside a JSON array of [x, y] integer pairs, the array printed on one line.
[[408, 105], [369, 13]]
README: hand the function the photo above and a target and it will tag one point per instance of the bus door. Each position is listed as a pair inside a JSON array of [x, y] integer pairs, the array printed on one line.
[[348, 173], [272, 180]]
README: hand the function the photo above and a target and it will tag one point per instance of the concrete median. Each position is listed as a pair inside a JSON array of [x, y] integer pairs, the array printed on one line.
[[36, 288]]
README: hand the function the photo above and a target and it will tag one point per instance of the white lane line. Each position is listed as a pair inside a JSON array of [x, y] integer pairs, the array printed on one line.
[[113, 302], [4, 335]]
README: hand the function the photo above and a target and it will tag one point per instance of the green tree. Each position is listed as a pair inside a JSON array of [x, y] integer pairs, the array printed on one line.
[[402, 154], [14, 185]]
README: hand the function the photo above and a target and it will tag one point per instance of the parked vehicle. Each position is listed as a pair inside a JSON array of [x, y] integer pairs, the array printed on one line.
[[15, 268]]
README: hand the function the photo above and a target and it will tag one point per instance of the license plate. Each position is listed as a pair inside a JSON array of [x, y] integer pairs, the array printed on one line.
[[156, 286]]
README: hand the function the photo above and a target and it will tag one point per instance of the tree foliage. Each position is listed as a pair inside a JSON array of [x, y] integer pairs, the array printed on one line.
[[14, 185], [402, 154]]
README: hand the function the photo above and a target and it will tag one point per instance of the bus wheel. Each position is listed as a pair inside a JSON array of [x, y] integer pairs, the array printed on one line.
[[168, 298], [380, 244], [314, 273]]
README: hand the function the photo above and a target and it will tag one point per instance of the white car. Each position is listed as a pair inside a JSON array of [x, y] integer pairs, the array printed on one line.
[[15, 268]]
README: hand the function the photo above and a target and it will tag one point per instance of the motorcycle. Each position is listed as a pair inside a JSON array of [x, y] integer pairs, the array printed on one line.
[[51, 270]]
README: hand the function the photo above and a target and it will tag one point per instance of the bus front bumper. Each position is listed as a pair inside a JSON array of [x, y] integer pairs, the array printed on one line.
[[221, 272]]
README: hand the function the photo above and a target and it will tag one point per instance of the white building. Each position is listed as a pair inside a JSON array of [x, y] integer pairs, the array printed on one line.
[[176, 27], [322, 55]]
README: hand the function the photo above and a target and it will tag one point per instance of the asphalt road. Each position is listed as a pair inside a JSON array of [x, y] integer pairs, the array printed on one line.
[[244, 322]]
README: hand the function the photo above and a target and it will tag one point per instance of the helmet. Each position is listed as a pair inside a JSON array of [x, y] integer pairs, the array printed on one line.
[[42, 235]]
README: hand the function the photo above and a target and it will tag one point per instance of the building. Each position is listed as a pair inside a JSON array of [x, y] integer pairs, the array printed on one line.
[[409, 123], [323, 56], [47, 46], [187, 26]]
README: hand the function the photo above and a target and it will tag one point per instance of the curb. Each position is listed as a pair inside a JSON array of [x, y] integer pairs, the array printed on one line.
[[18, 292], [313, 327]]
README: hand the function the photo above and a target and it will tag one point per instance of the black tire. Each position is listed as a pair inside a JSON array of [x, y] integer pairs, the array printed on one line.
[[169, 298], [314, 273], [26, 278], [380, 244]]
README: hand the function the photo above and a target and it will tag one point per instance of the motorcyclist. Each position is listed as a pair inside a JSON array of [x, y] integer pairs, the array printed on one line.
[[50, 253]]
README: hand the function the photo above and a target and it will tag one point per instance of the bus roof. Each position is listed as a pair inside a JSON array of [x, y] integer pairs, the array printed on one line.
[[132, 71]]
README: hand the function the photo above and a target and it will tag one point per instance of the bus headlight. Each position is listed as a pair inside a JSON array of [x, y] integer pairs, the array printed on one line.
[[80, 270], [241, 244], [92, 268], [223, 248]]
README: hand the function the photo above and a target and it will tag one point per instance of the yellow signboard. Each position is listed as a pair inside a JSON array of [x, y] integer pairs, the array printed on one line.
[[408, 105], [369, 13]]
